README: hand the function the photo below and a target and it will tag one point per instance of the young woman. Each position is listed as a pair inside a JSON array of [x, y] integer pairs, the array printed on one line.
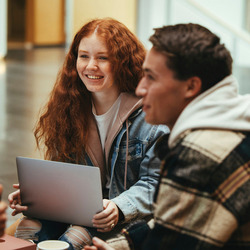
[[93, 117]]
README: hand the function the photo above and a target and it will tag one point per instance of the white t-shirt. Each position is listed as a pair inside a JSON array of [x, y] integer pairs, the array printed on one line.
[[106, 121]]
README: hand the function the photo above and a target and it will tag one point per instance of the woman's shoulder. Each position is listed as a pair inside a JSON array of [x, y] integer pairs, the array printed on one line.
[[139, 125]]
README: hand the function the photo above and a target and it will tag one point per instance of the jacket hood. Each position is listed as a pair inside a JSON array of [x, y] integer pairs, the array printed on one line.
[[129, 104], [220, 107]]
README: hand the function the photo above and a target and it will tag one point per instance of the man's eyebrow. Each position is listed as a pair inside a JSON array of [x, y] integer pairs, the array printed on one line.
[[147, 70]]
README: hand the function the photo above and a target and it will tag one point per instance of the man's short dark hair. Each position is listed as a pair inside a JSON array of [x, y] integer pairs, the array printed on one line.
[[193, 50]]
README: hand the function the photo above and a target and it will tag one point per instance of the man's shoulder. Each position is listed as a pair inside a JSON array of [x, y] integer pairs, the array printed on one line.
[[213, 143]]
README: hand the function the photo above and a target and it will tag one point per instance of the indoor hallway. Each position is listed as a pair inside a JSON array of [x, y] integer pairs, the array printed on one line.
[[26, 78]]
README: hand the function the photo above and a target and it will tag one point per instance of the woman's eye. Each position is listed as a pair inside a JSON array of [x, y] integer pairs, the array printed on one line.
[[103, 57], [83, 56]]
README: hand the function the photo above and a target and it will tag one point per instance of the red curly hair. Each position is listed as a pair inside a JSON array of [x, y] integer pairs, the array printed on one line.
[[64, 124]]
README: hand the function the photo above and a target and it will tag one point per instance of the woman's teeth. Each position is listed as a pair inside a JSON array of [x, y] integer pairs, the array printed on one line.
[[94, 77]]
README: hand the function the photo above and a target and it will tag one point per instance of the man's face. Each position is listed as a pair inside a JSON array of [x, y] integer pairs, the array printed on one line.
[[163, 95]]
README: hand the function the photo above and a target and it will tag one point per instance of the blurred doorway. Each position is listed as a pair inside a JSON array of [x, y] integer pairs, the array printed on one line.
[[16, 22], [35, 23]]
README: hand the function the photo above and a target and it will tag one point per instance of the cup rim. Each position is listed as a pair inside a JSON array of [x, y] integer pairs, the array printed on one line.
[[63, 244]]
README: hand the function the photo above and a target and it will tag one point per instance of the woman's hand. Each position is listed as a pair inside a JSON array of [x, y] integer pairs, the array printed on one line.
[[108, 218], [98, 245], [15, 201]]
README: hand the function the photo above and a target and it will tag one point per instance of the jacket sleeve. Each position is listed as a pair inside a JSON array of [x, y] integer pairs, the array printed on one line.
[[136, 202]]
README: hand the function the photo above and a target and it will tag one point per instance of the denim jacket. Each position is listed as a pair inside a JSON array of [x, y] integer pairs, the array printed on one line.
[[134, 159]]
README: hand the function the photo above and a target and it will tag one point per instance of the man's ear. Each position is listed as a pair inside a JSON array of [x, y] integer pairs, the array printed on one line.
[[194, 85]]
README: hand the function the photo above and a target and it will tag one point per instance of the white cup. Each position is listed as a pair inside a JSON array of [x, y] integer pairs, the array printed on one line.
[[52, 245]]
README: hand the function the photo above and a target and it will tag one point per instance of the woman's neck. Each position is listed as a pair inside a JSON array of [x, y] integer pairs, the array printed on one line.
[[104, 101]]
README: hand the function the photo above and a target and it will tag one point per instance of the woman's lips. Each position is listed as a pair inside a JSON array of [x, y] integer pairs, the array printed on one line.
[[94, 77]]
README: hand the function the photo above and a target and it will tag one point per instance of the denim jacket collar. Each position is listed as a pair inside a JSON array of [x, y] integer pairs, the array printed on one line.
[[129, 104]]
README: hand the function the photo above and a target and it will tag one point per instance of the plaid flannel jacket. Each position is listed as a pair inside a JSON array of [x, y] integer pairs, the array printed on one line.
[[203, 199]]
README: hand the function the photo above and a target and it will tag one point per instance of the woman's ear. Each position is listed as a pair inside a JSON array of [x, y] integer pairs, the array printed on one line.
[[194, 85]]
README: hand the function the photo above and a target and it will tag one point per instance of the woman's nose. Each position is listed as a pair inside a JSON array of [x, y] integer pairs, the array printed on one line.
[[92, 64]]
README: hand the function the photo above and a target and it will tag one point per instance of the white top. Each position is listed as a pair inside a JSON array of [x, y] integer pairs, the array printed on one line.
[[106, 121]]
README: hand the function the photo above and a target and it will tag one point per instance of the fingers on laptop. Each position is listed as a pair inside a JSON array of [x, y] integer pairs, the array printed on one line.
[[106, 220], [15, 202], [18, 209]]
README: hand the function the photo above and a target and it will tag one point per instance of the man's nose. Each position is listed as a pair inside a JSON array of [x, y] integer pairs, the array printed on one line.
[[141, 89]]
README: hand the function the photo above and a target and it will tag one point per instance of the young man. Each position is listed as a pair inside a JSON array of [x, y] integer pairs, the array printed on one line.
[[203, 199]]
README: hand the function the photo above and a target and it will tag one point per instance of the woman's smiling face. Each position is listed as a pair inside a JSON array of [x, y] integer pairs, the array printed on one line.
[[93, 65]]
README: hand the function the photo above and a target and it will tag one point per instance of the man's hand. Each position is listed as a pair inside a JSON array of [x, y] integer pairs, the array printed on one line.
[[98, 245]]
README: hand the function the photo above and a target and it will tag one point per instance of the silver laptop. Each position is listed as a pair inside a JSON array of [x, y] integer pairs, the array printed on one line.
[[57, 191]]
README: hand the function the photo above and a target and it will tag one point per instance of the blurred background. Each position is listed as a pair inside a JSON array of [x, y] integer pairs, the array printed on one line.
[[35, 36]]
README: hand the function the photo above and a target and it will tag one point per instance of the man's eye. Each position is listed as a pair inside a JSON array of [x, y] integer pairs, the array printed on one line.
[[150, 77]]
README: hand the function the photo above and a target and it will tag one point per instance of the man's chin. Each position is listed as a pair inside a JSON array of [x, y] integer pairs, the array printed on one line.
[[150, 120]]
